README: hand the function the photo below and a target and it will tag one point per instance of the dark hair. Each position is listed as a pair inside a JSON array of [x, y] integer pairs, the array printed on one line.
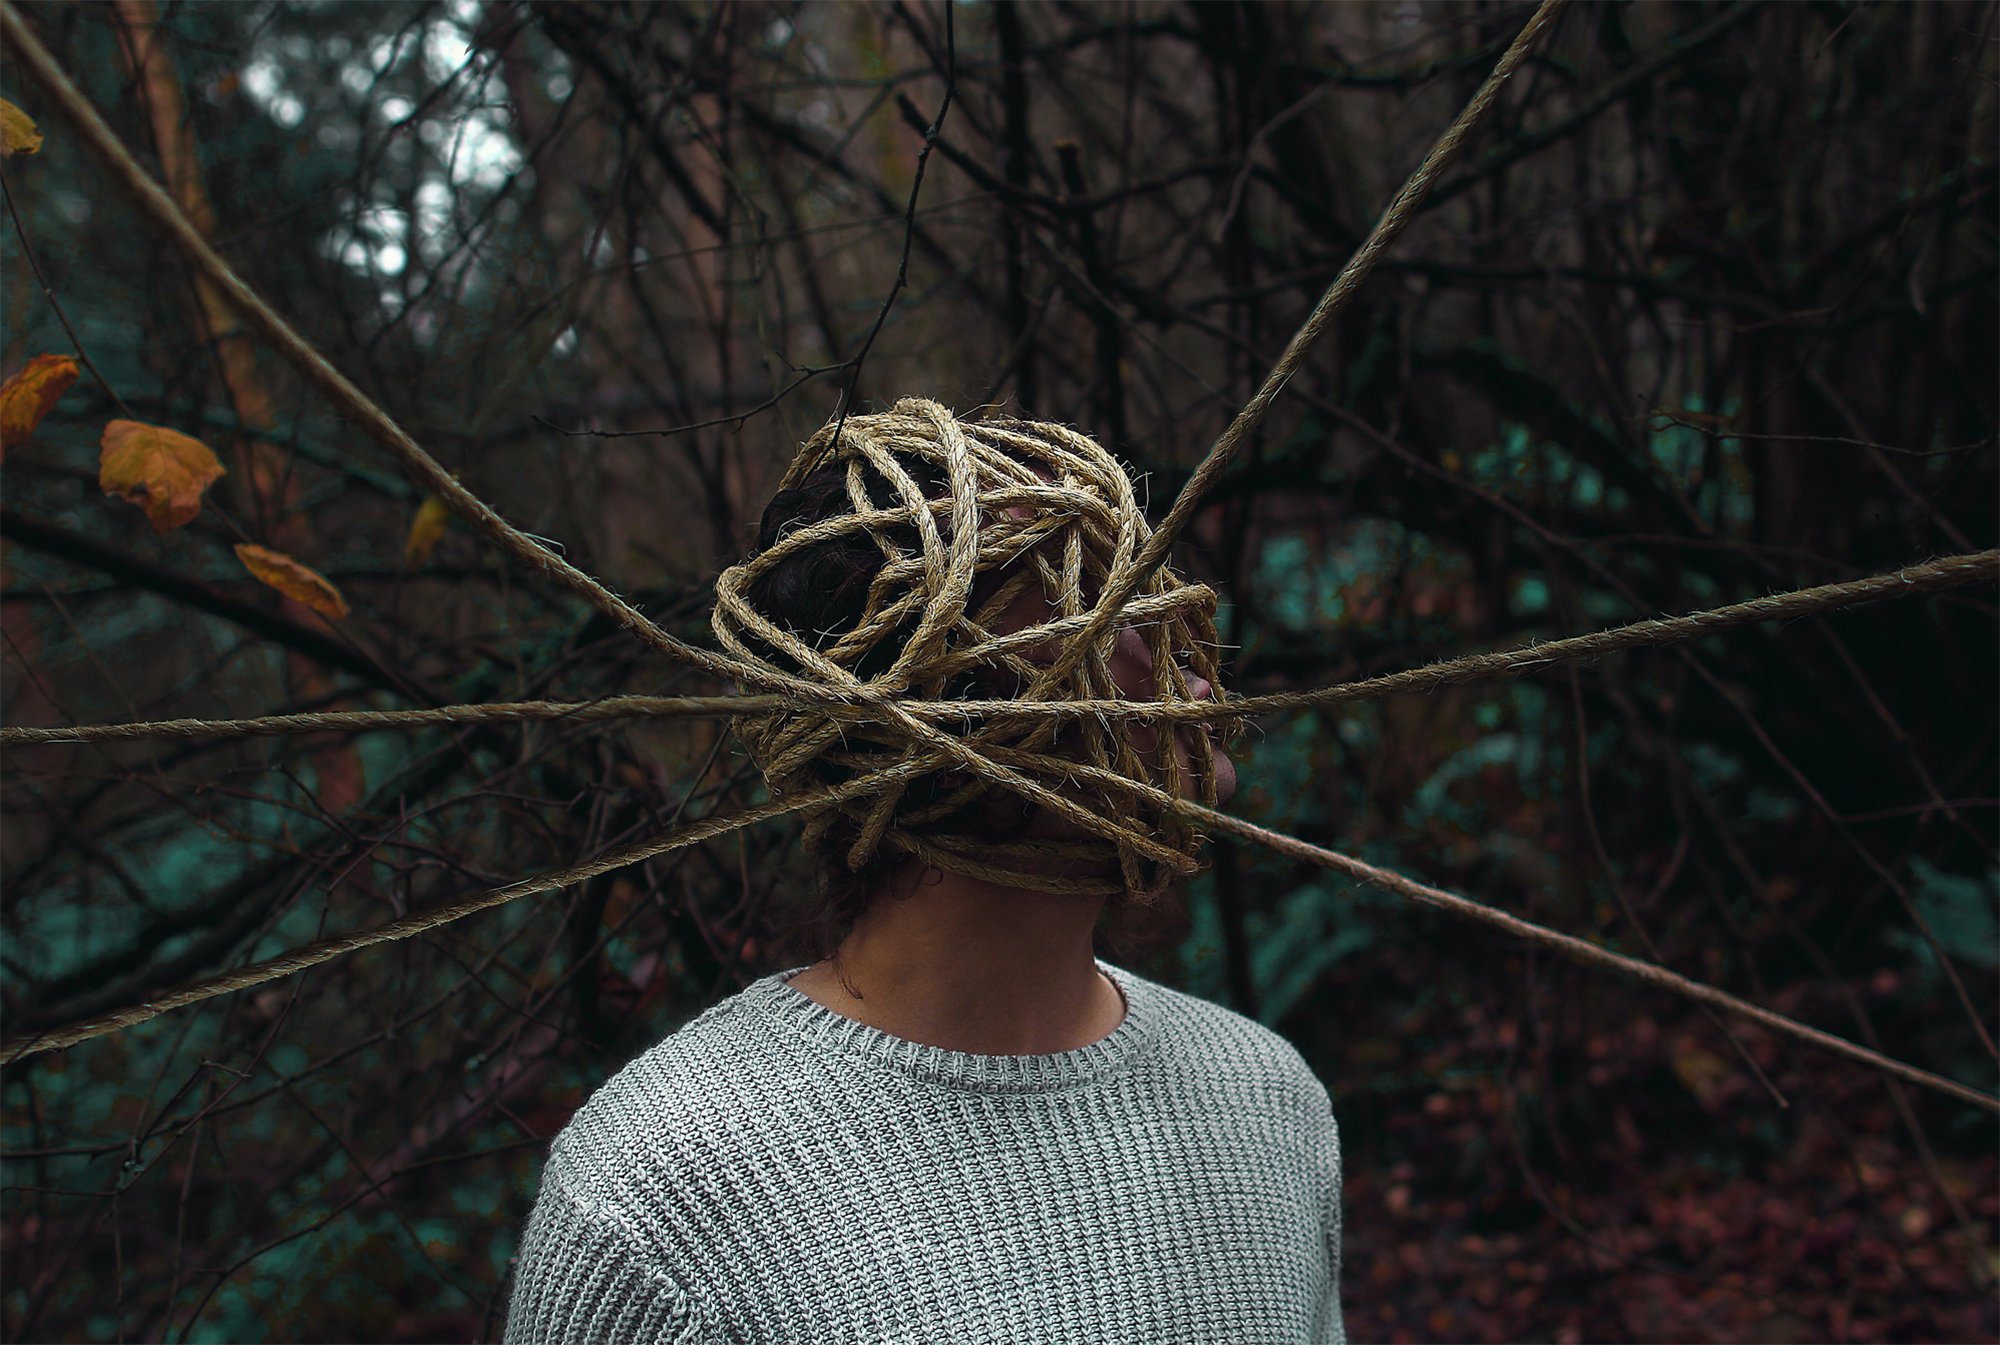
[[820, 594]]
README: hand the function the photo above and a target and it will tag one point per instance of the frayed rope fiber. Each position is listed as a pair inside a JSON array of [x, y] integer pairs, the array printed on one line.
[[981, 524]]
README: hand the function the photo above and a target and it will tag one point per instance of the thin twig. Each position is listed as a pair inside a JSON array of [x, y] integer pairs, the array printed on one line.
[[909, 218], [49, 293]]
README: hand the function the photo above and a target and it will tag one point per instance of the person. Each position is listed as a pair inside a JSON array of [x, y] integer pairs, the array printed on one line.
[[960, 1125]]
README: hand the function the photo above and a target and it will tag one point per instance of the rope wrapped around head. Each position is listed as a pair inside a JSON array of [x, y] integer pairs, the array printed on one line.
[[968, 517]]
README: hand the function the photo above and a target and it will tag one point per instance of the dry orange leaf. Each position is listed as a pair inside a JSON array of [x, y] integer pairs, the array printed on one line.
[[425, 530], [298, 582], [17, 132], [27, 396], [162, 471]]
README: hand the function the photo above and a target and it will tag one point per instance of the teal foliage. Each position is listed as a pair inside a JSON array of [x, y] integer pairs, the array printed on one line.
[[1707, 468], [1314, 923], [183, 864], [1528, 595], [1303, 587], [1522, 466], [1314, 927], [1296, 592], [1711, 766], [1963, 910]]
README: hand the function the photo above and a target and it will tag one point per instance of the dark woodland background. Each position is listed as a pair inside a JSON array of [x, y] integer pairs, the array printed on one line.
[[1706, 311]]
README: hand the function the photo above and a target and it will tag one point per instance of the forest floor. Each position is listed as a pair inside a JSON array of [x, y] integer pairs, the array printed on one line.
[[1659, 1193]]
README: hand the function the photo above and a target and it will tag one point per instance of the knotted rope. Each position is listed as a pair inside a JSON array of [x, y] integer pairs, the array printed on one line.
[[994, 539]]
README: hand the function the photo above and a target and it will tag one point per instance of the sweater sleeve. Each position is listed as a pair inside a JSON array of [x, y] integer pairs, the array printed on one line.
[[1332, 1324], [583, 1277]]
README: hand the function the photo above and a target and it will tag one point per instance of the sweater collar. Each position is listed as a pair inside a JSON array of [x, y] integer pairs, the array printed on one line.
[[806, 1019]]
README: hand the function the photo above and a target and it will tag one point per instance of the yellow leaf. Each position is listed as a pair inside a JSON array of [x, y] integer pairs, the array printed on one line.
[[27, 396], [425, 530], [17, 131], [297, 582], [162, 471]]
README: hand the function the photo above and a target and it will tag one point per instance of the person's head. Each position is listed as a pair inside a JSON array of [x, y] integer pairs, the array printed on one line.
[[935, 559]]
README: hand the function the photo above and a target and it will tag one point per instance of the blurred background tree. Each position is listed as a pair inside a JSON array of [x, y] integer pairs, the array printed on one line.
[[1700, 316]]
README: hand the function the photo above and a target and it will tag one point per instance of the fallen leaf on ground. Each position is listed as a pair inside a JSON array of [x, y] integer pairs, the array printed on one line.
[[299, 582], [27, 396], [162, 471]]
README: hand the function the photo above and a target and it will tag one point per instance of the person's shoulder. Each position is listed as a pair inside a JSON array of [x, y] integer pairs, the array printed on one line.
[[674, 1107], [1235, 1052]]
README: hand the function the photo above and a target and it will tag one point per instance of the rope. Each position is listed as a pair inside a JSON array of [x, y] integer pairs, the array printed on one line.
[[1126, 582], [946, 552], [797, 729], [325, 950], [357, 721], [1911, 581], [1587, 953], [1577, 950]]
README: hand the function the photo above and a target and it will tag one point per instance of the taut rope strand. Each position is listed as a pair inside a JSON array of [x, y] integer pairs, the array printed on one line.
[[312, 954], [1911, 581], [1576, 949], [1587, 953], [1127, 581]]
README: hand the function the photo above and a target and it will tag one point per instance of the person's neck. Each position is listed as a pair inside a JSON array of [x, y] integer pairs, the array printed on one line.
[[970, 965]]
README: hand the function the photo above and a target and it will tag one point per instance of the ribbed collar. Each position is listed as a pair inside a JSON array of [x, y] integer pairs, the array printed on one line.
[[806, 1019]]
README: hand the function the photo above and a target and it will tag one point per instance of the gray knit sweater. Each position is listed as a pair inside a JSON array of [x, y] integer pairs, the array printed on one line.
[[777, 1172]]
